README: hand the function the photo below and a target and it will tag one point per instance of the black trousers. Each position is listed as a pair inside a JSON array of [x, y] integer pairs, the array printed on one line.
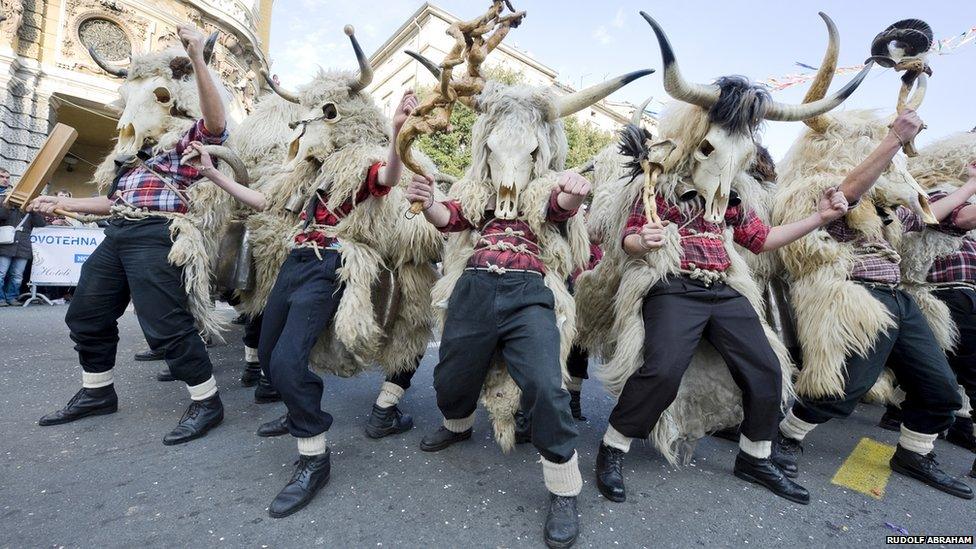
[[302, 304], [677, 314], [577, 363], [132, 263], [512, 314], [962, 359], [921, 370], [252, 331]]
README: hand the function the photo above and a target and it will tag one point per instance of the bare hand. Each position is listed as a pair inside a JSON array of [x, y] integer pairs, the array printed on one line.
[[44, 204], [652, 235], [906, 126], [193, 40], [407, 104], [574, 184], [833, 205], [421, 189], [197, 153]]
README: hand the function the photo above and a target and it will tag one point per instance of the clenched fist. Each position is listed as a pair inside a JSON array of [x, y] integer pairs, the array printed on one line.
[[193, 40], [652, 235], [421, 189], [833, 205]]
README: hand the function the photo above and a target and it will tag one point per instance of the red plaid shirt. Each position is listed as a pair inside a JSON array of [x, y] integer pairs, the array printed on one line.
[[699, 246], [325, 216], [143, 189], [959, 266], [506, 243], [874, 258]]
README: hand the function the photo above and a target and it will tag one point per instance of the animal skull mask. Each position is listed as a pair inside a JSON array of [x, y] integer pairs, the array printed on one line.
[[719, 158]]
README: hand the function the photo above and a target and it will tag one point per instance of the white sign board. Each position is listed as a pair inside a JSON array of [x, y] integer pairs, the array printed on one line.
[[59, 253]]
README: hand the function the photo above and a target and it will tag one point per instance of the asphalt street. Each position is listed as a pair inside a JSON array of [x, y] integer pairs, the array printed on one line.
[[109, 481]]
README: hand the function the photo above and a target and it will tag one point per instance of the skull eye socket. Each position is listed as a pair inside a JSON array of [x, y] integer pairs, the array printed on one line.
[[705, 148], [162, 95], [330, 112]]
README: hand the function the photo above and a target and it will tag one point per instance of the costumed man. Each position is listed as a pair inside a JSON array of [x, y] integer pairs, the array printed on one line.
[[136, 260], [673, 279], [515, 240], [851, 312]]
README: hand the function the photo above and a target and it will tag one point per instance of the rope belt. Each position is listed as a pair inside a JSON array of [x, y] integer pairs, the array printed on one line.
[[878, 285], [705, 276], [131, 213], [957, 285], [324, 230], [501, 270]]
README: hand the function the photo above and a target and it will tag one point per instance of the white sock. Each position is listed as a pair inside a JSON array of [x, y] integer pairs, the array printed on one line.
[[966, 409], [94, 380], [920, 443], [575, 384], [204, 390], [563, 479], [459, 425], [794, 427], [614, 439], [390, 395], [312, 446], [251, 355], [760, 450]]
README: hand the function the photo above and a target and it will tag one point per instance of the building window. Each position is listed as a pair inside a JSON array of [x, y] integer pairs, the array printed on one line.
[[106, 37]]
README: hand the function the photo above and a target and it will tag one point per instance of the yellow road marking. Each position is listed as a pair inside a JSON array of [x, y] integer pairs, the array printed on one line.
[[866, 470]]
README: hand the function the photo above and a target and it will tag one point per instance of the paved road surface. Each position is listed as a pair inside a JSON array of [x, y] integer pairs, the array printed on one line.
[[109, 482]]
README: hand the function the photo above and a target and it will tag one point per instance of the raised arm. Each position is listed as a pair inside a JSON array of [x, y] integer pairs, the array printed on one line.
[[211, 104], [250, 197], [390, 174], [861, 178]]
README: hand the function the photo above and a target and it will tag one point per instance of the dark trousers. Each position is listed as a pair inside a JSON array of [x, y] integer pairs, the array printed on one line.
[[512, 314], [677, 314], [577, 362], [920, 368], [302, 303], [962, 359], [132, 262], [252, 331]]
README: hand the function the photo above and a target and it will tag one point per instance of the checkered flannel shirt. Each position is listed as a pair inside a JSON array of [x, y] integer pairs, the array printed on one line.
[[959, 266], [875, 260], [325, 216]]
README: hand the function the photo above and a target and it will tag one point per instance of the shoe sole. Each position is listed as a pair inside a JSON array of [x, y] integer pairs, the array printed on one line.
[[609, 496], [910, 474], [301, 505], [552, 544], [95, 412], [749, 478], [153, 359], [444, 445], [199, 434], [272, 435]]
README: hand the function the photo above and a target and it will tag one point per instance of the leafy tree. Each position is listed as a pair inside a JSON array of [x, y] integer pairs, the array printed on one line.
[[451, 152]]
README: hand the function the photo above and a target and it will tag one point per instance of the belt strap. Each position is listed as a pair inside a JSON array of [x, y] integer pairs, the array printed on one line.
[[501, 270]]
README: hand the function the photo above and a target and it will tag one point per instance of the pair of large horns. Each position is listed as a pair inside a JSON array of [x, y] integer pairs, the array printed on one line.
[[120, 72], [707, 95], [567, 104], [364, 79]]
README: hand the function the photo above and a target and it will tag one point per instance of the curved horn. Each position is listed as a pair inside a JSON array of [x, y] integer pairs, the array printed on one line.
[[784, 112], [825, 75], [577, 101], [208, 47], [117, 72], [915, 101], [221, 152], [427, 63], [365, 71], [639, 112], [285, 94], [677, 87]]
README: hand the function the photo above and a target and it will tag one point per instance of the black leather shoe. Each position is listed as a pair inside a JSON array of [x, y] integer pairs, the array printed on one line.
[[265, 392], [891, 420], [165, 375], [86, 402], [961, 433], [200, 417], [609, 473], [274, 428], [442, 438], [149, 355], [251, 375], [575, 407], [311, 474], [926, 469], [523, 428], [387, 421], [562, 522], [784, 454], [766, 473]]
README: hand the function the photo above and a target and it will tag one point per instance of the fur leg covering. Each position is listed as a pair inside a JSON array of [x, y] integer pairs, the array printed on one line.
[[192, 252]]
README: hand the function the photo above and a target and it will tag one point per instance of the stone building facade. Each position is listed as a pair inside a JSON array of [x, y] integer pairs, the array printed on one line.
[[47, 76]]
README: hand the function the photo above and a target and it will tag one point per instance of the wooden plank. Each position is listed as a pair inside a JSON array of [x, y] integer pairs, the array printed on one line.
[[42, 168]]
